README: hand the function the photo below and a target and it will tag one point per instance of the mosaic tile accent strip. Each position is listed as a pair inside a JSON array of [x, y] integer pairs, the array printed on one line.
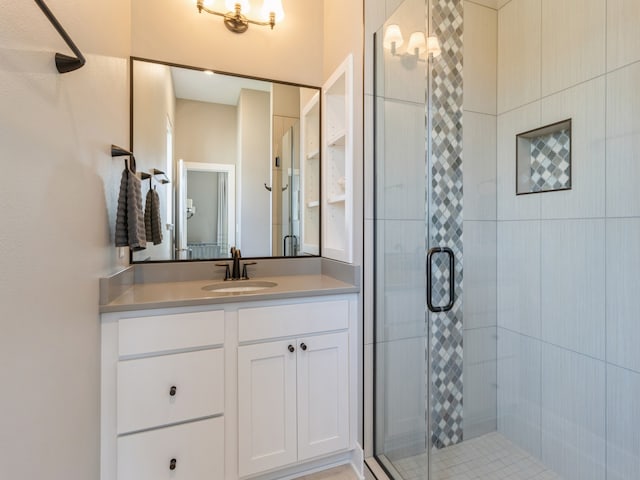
[[446, 221], [551, 162]]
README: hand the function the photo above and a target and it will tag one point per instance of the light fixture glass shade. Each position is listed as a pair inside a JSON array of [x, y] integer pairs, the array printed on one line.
[[417, 42], [433, 46], [244, 5], [392, 37], [274, 6]]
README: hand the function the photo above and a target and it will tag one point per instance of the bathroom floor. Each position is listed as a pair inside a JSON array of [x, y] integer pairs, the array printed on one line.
[[489, 457]]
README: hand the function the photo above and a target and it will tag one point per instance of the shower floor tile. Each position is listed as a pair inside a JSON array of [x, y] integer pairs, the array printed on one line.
[[490, 457]]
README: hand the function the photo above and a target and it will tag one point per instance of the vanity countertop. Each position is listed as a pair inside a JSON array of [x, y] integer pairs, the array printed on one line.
[[190, 293]]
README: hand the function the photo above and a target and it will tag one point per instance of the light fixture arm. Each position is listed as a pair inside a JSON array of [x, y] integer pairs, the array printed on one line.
[[235, 21]]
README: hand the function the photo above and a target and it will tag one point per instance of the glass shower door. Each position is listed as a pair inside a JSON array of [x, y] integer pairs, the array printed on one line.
[[418, 238], [401, 437]]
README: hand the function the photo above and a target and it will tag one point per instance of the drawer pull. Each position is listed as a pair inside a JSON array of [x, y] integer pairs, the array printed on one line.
[[291, 349], [303, 347], [173, 390], [172, 464]]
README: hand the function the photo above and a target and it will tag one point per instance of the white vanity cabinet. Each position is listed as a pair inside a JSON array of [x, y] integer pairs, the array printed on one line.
[[293, 392], [261, 390]]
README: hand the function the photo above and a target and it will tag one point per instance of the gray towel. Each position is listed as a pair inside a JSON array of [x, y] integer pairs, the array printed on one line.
[[129, 218], [152, 221]]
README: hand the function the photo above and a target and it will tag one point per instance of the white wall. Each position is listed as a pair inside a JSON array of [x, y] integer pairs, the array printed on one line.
[[59, 183], [569, 261], [206, 132], [173, 31]]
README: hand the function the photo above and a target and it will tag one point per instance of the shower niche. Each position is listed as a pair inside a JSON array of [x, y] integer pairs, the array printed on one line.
[[543, 159]]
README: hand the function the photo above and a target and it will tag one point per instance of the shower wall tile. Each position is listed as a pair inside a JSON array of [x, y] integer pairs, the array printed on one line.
[[623, 418], [519, 390], [623, 142], [404, 78], [519, 51], [572, 297], [479, 166], [480, 276], [369, 138], [585, 105], [622, 287], [480, 58], [480, 345], [519, 277], [623, 41], [480, 397], [400, 275], [573, 42], [402, 182], [502, 3], [400, 407], [573, 414], [510, 206]]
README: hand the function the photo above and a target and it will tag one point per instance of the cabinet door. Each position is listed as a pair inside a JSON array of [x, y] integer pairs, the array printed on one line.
[[323, 395], [266, 406]]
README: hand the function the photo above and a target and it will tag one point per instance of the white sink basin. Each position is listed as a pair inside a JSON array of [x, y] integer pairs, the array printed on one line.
[[240, 286]]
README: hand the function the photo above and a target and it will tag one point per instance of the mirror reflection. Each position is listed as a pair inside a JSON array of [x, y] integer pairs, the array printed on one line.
[[231, 149]]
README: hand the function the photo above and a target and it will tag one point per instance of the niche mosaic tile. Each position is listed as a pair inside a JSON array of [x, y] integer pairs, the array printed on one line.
[[446, 221], [544, 159]]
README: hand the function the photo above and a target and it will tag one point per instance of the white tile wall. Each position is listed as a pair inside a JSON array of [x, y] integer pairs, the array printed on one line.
[[480, 58], [585, 105], [479, 177], [480, 398], [572, 298], [623, 35], [402, 182], [573, 42], [623, 141], [404, 79], [519, 390], [480, 276], [622, 287], [623, 418], [518, 53], [401, 255], [519, 277], [510, 206], [573, 414], [402, 401]]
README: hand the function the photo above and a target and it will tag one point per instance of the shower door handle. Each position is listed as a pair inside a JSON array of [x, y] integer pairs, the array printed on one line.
[[452, 279]]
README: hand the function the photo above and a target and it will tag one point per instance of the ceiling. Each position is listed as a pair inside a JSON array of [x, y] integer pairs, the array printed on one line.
[[196, 85]]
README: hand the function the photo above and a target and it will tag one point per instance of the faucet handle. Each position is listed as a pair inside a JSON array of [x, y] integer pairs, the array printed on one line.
[[244, 269], [227, 272]]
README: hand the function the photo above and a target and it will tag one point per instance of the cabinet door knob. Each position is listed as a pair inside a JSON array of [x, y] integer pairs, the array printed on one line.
[[291, 349], [172, 464], [173, 390], [303, 346]]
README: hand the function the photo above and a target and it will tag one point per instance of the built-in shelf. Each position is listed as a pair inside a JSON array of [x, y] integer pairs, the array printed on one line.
[[337, 164], [337, 138], [310, 174], [336, 199]]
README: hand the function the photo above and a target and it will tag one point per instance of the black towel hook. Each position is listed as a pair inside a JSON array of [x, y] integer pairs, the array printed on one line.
[[64, 63]]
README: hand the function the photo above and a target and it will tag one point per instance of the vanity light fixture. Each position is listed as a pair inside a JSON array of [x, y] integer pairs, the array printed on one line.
[[416, 47], [235, 19]]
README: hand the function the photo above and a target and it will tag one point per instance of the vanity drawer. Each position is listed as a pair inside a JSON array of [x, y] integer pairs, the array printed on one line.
[[147, 397], [139, 335], [292, 320], [197, 448]]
